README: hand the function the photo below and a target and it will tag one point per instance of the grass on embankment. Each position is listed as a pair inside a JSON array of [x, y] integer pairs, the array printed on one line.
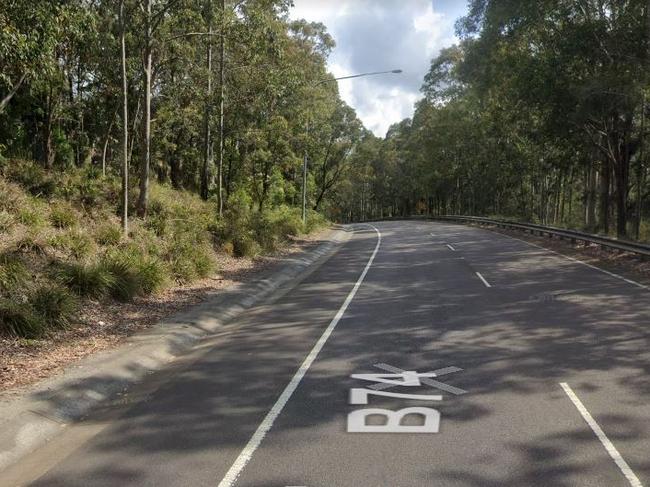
[[61, 246]]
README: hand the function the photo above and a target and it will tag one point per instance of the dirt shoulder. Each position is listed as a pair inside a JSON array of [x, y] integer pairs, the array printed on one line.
[[104, 325]]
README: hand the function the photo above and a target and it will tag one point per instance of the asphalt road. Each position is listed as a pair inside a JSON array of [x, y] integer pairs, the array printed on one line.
[[554, 388]]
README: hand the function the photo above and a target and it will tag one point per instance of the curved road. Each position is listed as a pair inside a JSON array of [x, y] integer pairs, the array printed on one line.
[[542, 368]]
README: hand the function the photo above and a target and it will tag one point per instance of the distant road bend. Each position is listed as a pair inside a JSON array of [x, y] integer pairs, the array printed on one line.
[[420, 354]]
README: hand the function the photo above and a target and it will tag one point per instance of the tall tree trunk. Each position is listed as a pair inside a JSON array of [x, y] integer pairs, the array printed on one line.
[[143, 198], [640, 171], [603, 214], [590, 203], [622, 175], [106, 141], [222, 59], [48, 147], [125, 129], [205, 172]]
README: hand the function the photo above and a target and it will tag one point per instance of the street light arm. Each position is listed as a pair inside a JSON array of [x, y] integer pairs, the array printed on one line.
[[393, 71]]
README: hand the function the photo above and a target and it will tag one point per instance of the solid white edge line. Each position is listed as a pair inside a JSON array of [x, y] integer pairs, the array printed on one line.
[[629, 281], [266, 424], [487, 284], [609, 446]]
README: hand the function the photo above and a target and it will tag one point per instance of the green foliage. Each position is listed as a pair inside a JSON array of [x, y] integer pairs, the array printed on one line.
[[134, 274], [30, 217], [76, 243], [55, 305], [19, 319], [6, 221], [189, 260], [108, 234], [245, 246], [85, 279], [13, 274], [63, 216], [32, 177], [314, 221]]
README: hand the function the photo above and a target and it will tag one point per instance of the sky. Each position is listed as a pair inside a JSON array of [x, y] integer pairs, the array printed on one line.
[[378, 35]]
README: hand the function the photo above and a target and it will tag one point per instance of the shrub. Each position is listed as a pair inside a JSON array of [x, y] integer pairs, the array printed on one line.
[[55, 305], [19, 319], [134, 274], [228, 248], [245, 246], [30, 244], [153, 275], [91, 280], [62, 216], [264, 231], [13, 274], [76, 243], [6, 221], [288, 222], [189, 260], [32, 177], [125, 284], [30, 217], [314, 221], [108, 234]]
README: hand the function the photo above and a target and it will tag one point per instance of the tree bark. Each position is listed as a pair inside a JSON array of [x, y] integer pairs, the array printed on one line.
[[205, 172], [143, 198], [106, 140], [603, 214], [125, 129], [222, 53]]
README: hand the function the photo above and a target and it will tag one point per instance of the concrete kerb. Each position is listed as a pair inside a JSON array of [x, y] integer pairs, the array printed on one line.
[[31, 419]]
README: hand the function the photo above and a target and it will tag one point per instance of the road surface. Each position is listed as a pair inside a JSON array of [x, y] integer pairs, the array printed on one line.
[[554, 388]]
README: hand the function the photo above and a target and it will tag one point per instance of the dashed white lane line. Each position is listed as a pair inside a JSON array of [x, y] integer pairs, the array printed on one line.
[[609, 446], [629, 281], [266, 424], [451, 247], [487, 284]]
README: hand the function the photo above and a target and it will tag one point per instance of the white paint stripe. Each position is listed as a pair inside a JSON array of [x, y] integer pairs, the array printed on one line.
[[487, 284], [264, 427], [609, 446], [629, 281], [451, 248]]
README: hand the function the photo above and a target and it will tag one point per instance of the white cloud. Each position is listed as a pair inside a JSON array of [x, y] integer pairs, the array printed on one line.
[[377, 35]]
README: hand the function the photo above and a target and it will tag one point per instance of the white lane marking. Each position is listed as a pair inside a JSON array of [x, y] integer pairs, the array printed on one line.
[[609, 446], [629, 281], [264, 427], [451, 248], [487, 284]]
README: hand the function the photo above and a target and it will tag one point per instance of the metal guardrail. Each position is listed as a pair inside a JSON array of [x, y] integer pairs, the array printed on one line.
[[572, 235]]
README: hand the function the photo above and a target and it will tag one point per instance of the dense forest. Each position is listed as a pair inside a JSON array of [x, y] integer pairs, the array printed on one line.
[[537, 114], [216, 97]]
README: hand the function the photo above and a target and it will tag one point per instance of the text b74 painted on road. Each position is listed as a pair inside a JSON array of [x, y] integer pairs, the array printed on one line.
[[396, 377]]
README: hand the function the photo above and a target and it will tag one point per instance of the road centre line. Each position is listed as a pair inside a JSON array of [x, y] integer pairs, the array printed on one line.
[[247, 453], [609, 446], [487, 284]]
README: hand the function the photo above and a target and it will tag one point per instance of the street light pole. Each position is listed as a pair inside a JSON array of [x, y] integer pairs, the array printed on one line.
[[304, 160]]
